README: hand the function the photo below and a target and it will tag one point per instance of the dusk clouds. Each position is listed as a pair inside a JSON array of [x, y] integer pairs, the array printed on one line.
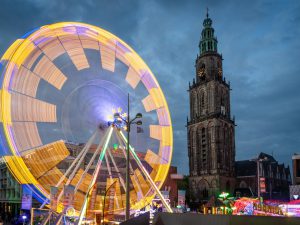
[[259, 41]]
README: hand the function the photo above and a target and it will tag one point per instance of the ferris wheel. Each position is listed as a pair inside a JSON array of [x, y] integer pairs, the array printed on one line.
[[62, 86]]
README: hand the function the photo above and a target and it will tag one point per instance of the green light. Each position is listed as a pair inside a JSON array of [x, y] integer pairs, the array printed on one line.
[[100, 160], [116, 146], [223, 195], [105, 145]]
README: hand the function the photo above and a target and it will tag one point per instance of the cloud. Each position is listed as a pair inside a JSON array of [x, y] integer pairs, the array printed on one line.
[[258, 39]]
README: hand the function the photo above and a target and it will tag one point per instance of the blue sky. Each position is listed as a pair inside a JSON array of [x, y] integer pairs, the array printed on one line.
[[259, 41]]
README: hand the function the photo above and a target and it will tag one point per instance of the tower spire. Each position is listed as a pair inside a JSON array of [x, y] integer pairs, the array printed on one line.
[[208, 41]]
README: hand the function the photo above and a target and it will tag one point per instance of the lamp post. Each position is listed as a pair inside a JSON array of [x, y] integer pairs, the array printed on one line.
[[103, 207], [258, 160], [128, 123]]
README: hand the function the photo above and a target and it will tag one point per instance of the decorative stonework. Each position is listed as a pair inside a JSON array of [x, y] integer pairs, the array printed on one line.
[[211, 144]]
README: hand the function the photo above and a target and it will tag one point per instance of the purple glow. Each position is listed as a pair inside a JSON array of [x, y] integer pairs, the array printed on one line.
[[123, 48], [40, 40], [162, 116], [13, 73], [70, 29], [82, 30], [95, 100], [148, 80], [4, 147], [166, 152], [12, 138]]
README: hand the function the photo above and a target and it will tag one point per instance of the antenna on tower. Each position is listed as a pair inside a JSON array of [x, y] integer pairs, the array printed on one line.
[[206, 12]]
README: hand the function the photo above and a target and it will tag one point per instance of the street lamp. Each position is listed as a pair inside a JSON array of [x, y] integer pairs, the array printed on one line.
[[128, 123], [103, 207]]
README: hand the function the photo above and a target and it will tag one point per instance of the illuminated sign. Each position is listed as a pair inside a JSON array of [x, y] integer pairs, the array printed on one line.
[[295, 197], [262, 184]]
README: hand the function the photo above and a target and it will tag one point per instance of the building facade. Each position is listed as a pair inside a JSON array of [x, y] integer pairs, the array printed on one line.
[[210, 128], [274, 178], [296, 169], [10, 194], [295, 188], [171, 185]]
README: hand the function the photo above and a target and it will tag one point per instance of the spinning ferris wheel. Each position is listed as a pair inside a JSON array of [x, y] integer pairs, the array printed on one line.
[[61, 84]]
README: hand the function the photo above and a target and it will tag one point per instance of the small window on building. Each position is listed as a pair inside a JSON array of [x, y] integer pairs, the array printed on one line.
[[223, 112], [205, 193]]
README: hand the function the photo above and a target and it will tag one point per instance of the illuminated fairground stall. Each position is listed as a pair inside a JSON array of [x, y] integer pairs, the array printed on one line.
[[251, 206], [62, 86]]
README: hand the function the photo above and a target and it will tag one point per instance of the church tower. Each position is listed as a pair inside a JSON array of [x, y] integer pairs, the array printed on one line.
[[211, 144]]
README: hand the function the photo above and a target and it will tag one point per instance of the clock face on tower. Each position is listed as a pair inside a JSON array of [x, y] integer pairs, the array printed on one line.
[[201, 71], [220, 72]]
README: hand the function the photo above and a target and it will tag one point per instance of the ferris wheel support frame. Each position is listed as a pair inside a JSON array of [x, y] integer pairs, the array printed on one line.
[[131, 169], [95, 175], [79, 158], [116, 168], [146, 174], [97, 170], [91, 161]]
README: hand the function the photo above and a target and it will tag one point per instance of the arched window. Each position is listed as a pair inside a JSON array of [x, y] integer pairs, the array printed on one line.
[[194, 150], [202, 100], [190, 145], [203, 189], [195, 104], [203, 148], [205, 193], [202, 103]]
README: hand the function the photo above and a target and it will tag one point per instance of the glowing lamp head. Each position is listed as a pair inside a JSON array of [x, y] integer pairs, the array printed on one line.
[[24, 217], [139, 115], [118, 119], [139, 122], [116, 115]]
